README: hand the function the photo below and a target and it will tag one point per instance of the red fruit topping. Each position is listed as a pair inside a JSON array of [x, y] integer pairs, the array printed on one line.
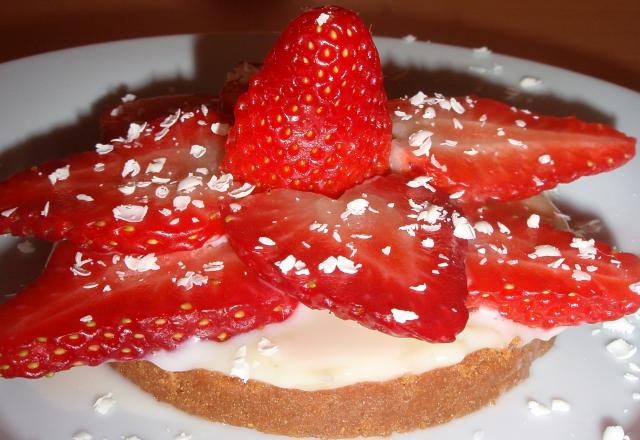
[[541, 277], [115, 122], [155, 191], [90, 308], [315, 117], [383, 254], [481, 149]]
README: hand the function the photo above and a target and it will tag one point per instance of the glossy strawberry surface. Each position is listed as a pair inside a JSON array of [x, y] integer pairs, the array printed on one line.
[[314, 118], [156, 189], [479, 149], [90, 308], [383, 254], [536, 275]]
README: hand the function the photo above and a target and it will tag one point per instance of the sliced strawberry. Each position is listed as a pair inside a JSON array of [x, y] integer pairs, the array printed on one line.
[[480, 149], [155, 191], [115, 122], [541, 277], [539, 206], [315, 117], [90, 308], [383, 254]]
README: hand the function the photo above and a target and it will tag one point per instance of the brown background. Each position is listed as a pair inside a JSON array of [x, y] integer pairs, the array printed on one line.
[[595, 37]]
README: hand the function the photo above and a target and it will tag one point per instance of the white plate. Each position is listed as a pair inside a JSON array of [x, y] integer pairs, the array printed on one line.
[[49, 105]]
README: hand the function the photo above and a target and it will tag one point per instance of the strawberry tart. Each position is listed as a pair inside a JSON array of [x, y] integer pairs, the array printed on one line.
[[321, 261]]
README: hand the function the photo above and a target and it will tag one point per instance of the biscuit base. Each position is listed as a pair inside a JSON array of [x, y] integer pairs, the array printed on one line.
[[363, 409]]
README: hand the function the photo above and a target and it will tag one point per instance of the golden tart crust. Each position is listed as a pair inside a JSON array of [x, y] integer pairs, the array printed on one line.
[[364, 409]]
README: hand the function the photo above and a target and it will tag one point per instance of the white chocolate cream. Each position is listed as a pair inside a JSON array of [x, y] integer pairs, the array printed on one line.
[[314, 350]]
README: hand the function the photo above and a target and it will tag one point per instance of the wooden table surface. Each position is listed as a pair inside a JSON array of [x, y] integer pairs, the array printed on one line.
[[601, 39]]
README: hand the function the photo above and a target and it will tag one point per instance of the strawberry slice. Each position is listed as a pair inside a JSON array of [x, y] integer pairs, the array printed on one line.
[[478, 149], [541, 277], [155, 191], [383, 254], [315, 117], [90, 308], [115, 122]]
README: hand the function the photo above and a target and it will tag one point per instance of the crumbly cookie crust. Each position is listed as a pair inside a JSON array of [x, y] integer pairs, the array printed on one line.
[[364, 409]]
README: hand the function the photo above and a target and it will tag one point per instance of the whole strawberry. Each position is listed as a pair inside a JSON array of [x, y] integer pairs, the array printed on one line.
[[314, 118]]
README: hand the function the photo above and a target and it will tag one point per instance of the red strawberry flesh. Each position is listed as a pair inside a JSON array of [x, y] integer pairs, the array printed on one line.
[[542, 277], [383, 254], [314, 118], [480, 149], [155, 191], [115, 122], [91, 308]]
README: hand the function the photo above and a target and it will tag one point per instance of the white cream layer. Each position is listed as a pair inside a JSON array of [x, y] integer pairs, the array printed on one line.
[[314, 350]]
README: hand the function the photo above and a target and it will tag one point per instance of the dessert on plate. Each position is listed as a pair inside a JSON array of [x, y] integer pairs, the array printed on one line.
[[324, 262]]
